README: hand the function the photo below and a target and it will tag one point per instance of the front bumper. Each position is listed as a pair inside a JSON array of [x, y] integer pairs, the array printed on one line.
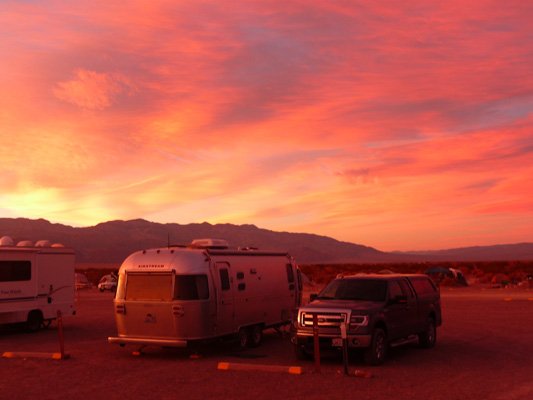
[[306, 339]]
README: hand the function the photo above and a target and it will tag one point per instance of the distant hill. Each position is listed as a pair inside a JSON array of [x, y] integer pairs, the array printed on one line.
[[113, 241]]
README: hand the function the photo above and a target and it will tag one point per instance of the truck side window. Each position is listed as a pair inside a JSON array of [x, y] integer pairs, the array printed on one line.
[[394, 289], [406, 289], [224, 279], [290, 273]]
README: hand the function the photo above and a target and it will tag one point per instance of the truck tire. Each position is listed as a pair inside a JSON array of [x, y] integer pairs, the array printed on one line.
[[256, 334], [300, 353], [243, 338], [428, 337], [375, 354], [34, 321]]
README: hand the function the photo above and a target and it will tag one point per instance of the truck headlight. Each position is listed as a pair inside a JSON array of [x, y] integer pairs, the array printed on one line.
[[358, 320]]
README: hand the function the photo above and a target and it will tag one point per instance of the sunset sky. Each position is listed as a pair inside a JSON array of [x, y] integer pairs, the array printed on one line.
[[397, 125]]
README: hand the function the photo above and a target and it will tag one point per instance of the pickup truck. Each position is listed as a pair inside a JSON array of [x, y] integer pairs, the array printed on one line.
[[377, 311]]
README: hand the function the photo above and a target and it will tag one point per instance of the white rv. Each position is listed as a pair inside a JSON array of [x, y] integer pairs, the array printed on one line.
[[174, 296], [35, 282]]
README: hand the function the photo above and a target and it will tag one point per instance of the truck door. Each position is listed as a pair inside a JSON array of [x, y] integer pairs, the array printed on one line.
[[411, 311], [400, 314], [226, 302]]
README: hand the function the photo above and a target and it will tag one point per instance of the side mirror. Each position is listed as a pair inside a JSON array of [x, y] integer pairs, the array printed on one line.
[[313, 297]]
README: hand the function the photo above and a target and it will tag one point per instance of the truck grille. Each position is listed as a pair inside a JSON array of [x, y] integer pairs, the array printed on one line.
[[325, 319]]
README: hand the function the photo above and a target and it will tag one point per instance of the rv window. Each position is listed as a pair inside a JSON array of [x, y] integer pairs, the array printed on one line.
[[149, 287], [14, 271], [224, 279], [191, 287], [290, 273]]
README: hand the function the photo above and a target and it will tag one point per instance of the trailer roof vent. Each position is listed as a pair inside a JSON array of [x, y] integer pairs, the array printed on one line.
[[57, 245], [43, 243], [6, 241], [25, 243], [209, 244]]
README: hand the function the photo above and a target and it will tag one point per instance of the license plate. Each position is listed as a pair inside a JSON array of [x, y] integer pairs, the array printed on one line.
[[150, 319], [337, 342]]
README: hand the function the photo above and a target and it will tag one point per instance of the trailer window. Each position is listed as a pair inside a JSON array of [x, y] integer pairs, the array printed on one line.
[[149, 287], [15, 271], [191, 287], [224, 279]]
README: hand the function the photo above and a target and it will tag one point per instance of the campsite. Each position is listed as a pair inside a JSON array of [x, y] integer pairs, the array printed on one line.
[[483, 351]]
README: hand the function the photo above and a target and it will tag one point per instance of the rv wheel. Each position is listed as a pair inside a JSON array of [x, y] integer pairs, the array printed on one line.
[[242, 338], [35, 319], [256, 334]]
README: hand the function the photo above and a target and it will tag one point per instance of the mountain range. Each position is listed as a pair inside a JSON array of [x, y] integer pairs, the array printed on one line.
[[111, 242]]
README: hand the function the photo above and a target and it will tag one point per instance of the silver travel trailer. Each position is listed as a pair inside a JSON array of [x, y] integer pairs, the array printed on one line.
[[36, 280], [175, 296]]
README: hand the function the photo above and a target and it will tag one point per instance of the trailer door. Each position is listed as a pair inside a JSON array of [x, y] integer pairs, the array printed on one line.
[[226, 302]]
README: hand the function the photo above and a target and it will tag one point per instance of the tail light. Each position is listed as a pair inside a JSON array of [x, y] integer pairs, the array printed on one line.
[[120, 309]]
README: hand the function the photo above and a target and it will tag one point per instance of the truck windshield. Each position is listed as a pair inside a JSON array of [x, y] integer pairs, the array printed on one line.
[[355, 289], [146, 286]]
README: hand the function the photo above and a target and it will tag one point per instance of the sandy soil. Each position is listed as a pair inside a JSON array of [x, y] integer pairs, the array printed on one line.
[[484, 351]]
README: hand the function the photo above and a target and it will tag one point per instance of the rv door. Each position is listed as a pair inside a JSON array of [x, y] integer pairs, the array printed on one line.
[[225, 298]]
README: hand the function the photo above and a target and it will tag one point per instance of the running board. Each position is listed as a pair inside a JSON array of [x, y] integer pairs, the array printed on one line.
[[406, 340]]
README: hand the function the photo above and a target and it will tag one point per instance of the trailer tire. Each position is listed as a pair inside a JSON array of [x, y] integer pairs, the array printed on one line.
[[34, 321], [256, 334], [243, 338]]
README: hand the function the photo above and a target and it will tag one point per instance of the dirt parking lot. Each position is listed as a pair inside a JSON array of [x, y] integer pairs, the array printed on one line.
[[484, 351]]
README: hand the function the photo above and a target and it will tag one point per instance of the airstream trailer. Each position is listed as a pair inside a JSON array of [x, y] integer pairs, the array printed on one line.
[[175, 296]]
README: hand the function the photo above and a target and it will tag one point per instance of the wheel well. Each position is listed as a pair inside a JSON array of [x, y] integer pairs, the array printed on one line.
[[381, 325], [36, 311]]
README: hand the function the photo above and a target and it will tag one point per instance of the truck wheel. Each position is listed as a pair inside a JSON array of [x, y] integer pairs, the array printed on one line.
[[428, 337], [243, 338], [256, 334], [375, 354], [35, 319], [300, 353]]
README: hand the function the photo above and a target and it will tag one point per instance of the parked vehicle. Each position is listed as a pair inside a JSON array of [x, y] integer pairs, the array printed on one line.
[[374, 310], [176, 296], [108, 282], [82, 282], [35, 282]]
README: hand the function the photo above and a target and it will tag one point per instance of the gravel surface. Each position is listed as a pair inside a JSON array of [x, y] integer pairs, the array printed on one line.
[[484, 351]]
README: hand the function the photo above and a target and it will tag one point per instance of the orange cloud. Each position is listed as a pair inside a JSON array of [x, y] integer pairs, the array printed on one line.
[[93, 90]]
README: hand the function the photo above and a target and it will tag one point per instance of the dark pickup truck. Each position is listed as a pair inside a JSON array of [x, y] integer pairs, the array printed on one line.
[[377, 311]]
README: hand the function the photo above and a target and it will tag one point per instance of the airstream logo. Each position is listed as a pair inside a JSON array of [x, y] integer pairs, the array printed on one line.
[[151, 266]]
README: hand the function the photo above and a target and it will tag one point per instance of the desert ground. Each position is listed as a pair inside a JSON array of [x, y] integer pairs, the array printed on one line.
[[484, 351]]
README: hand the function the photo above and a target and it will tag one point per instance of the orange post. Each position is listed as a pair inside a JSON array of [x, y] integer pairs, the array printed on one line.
[[60, 326], [317, 345]]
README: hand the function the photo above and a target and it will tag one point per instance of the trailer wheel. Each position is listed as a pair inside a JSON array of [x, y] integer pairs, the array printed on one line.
[[35, 319], [256, 334], [243, 338]]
